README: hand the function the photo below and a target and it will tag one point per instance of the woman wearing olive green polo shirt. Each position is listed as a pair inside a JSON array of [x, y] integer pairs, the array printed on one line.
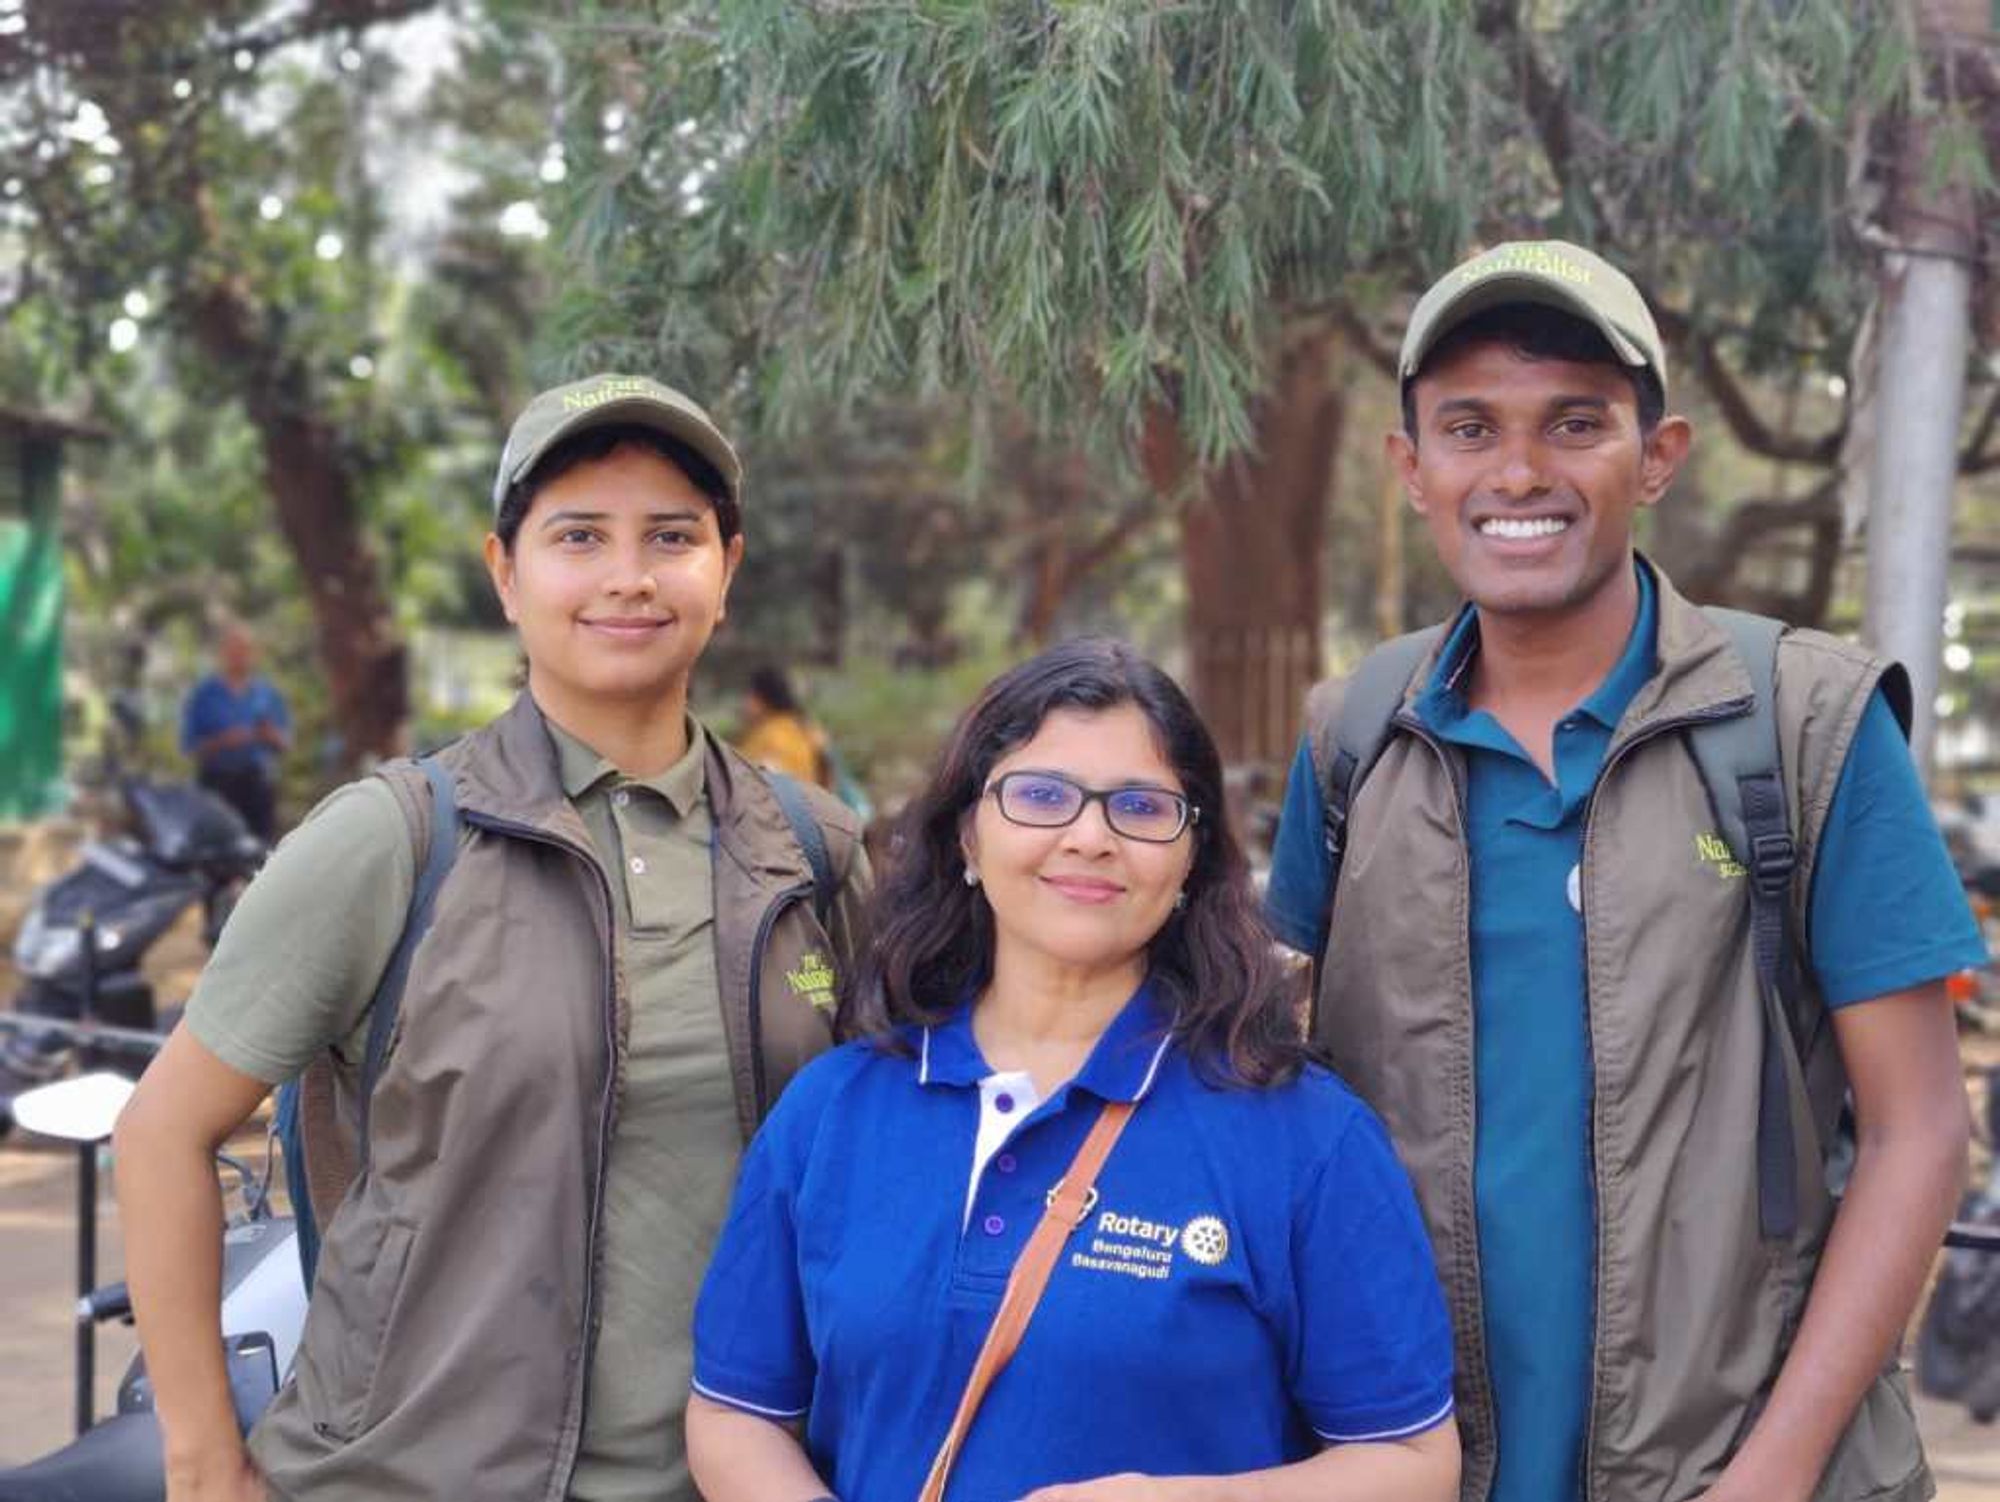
[[624, 966]]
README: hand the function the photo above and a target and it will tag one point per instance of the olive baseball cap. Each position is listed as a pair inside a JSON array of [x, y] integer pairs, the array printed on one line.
[[603, 401], [1553, 273]]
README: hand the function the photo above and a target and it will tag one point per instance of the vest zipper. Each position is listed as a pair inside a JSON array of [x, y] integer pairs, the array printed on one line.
[[759, 1085], [1406, 721], [1727, 710], [566, 1460]]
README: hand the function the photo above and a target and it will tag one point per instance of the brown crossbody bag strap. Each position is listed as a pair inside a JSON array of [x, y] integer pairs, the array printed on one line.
[[1068, 1204]]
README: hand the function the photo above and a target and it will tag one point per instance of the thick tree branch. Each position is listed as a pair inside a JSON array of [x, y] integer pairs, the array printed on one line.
[[1715, 581], [1547, 104], [317, 19], [1364, 339], [1746, 425]]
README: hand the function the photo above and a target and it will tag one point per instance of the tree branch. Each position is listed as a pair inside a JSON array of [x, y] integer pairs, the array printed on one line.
[[324, 16], [1818, 513], [1746, 424], [1363, 338], [1975, 458], [1547, 104]]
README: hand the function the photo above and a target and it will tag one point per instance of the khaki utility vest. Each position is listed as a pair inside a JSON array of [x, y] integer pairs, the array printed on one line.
[[1695, 1310], [455, 1309]]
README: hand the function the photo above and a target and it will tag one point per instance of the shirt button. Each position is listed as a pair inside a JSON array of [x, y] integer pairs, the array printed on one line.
[[1005, 1163], [638, 866], [1003, 1103], [622, 797], [995, 1225]]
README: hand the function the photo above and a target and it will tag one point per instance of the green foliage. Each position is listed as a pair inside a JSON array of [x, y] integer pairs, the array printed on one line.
[[1093, 207], [189, 144]]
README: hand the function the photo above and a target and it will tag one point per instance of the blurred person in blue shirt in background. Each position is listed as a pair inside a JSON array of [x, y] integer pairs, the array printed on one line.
[[234, 726]]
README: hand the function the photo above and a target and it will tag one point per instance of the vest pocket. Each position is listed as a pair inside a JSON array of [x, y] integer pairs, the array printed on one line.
[[350, 1342], [1879, 1458]]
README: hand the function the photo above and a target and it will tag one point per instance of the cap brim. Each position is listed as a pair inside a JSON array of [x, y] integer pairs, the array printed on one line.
[[640, 412], [1497, 291]]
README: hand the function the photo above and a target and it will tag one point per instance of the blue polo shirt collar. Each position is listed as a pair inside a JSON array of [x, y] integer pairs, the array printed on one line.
[[1123, 1065], [1442, 704]]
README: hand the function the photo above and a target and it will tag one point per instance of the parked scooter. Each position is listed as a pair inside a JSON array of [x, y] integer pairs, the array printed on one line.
[[1958, 1342], [80, 946], [263, 1314]]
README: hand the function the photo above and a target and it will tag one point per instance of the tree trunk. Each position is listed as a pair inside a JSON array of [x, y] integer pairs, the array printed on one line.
[[311, 481], [319, 510], [1251, 537], [1056, 490], [1926, 303], [1392, 590]]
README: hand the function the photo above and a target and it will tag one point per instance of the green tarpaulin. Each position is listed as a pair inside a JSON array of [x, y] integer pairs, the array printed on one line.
[[30, 627]]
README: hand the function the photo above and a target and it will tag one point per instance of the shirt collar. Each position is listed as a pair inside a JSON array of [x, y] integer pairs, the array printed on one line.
[[1442, 702], [582, 769], [1122, 1066], [1638, 662]]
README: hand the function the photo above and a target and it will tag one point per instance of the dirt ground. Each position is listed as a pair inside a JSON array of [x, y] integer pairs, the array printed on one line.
[[38, 1280]]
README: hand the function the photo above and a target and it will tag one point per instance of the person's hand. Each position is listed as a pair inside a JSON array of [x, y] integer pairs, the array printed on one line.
[[231, 1478], [1735, 1484], [1129, 1487], [270, 734], [234, 736]]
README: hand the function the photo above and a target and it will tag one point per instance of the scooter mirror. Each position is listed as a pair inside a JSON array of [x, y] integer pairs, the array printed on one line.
[[84, 1109]]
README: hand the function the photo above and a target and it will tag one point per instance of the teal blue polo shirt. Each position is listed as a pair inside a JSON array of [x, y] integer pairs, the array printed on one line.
[[1531, 1167], [1253, 1282]]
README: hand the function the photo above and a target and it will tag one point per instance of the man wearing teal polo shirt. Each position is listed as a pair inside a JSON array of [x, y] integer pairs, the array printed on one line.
[[1540, 972]]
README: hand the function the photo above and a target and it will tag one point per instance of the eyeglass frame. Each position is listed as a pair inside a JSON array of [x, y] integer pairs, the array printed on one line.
[[1190, 810]]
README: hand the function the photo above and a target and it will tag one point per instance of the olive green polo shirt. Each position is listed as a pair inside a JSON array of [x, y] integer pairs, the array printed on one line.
[[674, 1153], [300, 959]]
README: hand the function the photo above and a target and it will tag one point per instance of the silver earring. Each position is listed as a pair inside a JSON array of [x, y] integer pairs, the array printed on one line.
[[1180, 902], [971, 877]]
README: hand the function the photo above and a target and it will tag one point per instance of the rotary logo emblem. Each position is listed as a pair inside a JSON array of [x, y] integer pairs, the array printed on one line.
[[1205, 1239]]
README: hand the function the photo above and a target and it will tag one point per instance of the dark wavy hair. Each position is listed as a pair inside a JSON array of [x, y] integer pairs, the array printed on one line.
[[1212, 963]]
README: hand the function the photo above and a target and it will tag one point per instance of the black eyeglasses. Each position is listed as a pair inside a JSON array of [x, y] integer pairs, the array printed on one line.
[[1048, 800]]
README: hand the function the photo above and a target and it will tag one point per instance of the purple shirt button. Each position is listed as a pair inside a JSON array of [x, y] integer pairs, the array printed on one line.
[[995, 1225], [1003, 1103], [1005, 1163]]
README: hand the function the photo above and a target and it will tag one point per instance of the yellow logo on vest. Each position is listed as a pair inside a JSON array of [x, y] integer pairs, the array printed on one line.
[[813, 980], [1713, 851]]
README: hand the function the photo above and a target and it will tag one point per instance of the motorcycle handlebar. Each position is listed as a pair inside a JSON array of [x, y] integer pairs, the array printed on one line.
[[101, 1305], [84, 1034]]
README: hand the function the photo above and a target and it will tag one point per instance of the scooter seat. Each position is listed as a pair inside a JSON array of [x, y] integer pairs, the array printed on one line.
[[118, 1461]]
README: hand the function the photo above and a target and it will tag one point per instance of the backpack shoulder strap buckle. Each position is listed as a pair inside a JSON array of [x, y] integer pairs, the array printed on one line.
[[1774, 857]]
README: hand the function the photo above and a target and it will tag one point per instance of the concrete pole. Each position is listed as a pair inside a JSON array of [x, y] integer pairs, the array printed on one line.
[[1926, 316], [1921, 386]]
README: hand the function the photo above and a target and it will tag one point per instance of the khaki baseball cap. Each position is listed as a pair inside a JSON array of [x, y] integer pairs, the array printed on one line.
[[603, 401], [1553, 273]]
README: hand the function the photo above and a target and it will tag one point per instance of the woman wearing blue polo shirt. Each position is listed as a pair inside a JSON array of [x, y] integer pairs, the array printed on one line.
[[1247, 1307]]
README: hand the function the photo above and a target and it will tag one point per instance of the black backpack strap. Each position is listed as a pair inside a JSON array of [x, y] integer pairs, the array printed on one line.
[[1346, 744], [1743, 773], [812, 840], [382, 1009]]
